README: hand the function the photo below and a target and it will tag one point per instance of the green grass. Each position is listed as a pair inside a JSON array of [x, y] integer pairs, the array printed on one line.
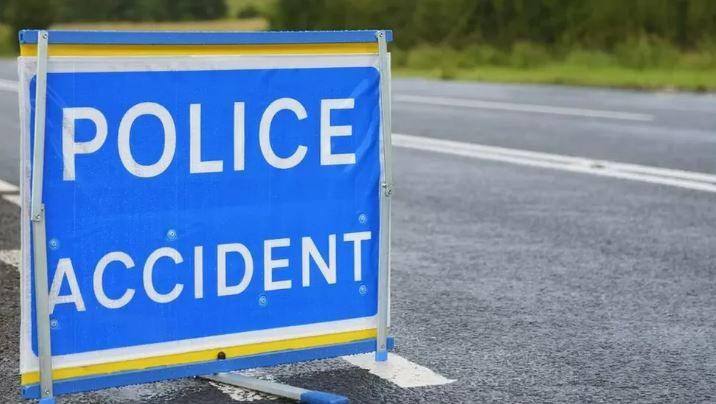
[[641, 65], [606, 76], [6, 41]]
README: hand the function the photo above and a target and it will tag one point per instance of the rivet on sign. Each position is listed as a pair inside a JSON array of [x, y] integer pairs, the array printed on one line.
[[172, 234], [362, 218], [362, 289], [54, 244], [263, 301], [53, 323], [221, 355]]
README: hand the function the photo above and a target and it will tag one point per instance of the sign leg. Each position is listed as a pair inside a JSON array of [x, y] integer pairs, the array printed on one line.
[[381, 353], [277, 389], [39, 247]]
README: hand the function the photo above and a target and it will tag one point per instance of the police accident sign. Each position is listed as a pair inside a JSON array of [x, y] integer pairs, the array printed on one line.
[[203, 201]]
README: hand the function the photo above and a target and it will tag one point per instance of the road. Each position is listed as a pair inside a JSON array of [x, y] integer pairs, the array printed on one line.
[[522, 276]]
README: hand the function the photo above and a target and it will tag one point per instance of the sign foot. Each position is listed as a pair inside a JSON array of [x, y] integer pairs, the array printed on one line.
[[277, 389]]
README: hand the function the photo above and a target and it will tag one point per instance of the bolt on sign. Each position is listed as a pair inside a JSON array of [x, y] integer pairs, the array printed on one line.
[[196, 203]]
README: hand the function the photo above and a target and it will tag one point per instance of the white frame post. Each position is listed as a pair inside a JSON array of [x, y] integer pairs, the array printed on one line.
[[39, 236], [381, 353]]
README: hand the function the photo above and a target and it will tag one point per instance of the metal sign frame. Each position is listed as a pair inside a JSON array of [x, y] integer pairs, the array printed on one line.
[[44, 44]]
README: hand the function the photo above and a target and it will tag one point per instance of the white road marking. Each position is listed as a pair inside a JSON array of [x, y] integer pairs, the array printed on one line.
[[9, 192], [7, 187], [10, 257], [663, 176], [12, 198], [516, 107], [398, 370], [8, 85]]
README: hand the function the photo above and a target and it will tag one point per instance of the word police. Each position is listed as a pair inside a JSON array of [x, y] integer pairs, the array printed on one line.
[[71, 147], [275, 266]]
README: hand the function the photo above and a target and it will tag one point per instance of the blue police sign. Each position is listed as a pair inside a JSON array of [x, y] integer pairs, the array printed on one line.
[[200, 207]]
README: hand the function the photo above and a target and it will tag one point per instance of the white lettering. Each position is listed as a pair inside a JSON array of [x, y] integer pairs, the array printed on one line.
[[149, 270], [270, 264], [221, 251], [310, 251], [265, 133], [98, 286], [328, 131], [239, 135], [198, 272], [65, 270], [196, 165], [125, 152], [356, 238], [71, 147]]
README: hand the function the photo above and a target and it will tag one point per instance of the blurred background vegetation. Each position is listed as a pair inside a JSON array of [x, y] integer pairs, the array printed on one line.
[[627, 43]]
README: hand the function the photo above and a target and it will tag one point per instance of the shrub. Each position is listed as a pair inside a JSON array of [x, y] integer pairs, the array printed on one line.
[[482, 55], [398, 57], [7, 41], [646, 52], [589, 58], [430, 57], [527, 54], [27, 14], [249, 11]]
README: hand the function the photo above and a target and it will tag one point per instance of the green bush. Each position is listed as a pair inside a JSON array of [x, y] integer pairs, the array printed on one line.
[[431, 57], [7, 41], [527, 54], [482, 55], [589, 58], [703, 57], [249, 11], [644, 52], [398, 57], [698, 60], [26, 14]]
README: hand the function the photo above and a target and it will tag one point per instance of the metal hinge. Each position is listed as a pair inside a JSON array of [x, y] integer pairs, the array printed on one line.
[[387, 189]]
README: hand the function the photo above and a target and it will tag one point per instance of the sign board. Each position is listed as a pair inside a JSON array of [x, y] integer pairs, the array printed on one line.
[[212, 202]]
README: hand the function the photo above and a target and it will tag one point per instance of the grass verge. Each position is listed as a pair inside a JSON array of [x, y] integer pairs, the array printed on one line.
[[228, 24], [619, 77]]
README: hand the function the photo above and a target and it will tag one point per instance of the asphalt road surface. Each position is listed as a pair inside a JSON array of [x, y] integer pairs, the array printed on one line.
[[521, 280]]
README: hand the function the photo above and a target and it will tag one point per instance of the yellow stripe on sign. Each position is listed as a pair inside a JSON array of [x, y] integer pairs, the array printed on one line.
[[202, 50], [202, 356]]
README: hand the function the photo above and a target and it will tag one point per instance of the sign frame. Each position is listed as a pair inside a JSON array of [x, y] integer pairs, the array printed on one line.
[[46, 44]]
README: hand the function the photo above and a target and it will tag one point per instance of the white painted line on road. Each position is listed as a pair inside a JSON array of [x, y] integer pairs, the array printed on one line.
[[7, 187], [663, 176], [12, 198], [516, 107], [9, 192], [10, 257], [398, 370], [8, 85]]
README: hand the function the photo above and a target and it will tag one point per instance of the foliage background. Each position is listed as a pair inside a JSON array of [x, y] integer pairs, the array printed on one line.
[[600, 24], [600, 42]]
